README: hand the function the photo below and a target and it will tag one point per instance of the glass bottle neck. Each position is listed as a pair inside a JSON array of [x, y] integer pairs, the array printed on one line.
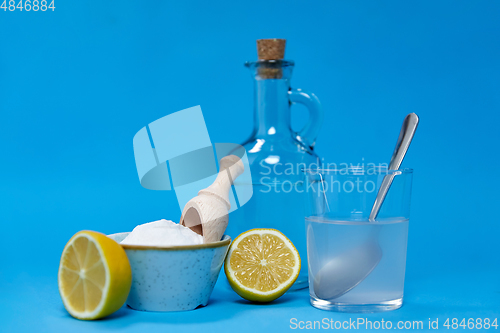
[[272, 109], [271, 103]]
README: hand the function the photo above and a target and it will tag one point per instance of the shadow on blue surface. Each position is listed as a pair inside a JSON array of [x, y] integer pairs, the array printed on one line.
[[453, 295]]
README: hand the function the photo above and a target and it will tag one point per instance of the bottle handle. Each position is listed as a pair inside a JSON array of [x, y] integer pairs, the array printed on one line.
[[311, 130]]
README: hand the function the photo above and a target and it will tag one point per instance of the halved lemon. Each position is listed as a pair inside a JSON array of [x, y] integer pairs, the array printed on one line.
[[262, 264], [94, 275]]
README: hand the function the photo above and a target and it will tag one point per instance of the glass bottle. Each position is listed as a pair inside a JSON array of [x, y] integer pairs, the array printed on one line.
[[276, 157]]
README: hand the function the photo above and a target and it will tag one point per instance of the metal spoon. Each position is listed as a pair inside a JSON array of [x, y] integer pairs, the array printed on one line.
[[405, 136], [347, 270]]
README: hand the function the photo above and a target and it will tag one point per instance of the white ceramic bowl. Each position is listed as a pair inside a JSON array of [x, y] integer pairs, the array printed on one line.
[[176, 278]]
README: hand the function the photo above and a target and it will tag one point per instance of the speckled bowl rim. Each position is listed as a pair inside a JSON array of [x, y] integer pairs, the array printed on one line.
[[226, 240]]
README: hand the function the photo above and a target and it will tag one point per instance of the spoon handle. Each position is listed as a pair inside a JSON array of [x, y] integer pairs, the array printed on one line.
[[405, 136]]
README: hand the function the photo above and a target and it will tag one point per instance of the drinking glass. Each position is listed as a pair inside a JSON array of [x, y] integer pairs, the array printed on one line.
[[356, 265]]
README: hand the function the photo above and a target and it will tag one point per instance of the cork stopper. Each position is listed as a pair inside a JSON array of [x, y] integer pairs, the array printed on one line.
[[270, 49]]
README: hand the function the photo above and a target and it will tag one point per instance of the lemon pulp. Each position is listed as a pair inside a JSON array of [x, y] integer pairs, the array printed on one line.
[[83, 275], [262, 264]]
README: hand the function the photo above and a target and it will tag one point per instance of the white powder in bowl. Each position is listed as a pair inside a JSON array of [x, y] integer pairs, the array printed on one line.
[[162, 233]]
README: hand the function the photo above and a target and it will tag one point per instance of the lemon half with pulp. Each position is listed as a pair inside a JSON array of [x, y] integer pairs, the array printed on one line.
[[94, 275], [262, 264]]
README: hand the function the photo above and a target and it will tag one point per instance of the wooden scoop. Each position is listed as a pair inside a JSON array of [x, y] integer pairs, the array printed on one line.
[[207, 213]]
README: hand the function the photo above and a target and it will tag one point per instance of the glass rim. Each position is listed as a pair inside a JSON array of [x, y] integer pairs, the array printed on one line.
[[282, 63], [356, 170]]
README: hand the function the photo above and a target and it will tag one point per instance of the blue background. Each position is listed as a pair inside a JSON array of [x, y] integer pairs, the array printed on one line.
[[76, 84]]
